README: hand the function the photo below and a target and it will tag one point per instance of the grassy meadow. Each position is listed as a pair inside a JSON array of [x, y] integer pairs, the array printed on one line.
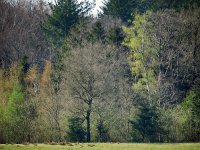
[[102, 146]]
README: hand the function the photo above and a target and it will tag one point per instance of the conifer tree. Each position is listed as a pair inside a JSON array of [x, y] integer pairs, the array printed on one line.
[[64, 15], [76, 131], [102, 130], [148, 124], [122, 9], [98, 32], [126, 9]]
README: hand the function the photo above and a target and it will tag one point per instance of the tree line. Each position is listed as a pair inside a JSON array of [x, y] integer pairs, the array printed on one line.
[[131, 74]]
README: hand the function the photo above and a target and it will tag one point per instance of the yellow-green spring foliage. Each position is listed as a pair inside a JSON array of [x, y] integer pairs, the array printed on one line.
[[142, 58]]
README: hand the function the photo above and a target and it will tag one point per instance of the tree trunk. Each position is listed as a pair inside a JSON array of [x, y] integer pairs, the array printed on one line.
[[88, 120], [88, 125]]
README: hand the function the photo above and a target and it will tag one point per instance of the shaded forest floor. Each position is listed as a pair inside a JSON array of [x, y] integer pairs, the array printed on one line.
[[103, 146]]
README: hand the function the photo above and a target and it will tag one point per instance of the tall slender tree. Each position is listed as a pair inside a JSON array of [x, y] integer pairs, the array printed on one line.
[[65, 14]]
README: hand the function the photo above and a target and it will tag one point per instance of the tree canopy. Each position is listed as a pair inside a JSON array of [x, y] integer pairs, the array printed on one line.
[[131, 74]]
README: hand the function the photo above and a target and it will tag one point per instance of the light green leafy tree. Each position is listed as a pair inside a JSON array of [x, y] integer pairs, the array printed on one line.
[[142, 58], [191, 106], [14, 114]]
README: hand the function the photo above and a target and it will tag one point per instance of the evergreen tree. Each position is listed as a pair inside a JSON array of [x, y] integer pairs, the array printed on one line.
[[24, 67], [98, 32], [115, 35], [102, 131], [148, 124], [64, 15], [76, 131], [173, 4], [126, 9], [121, 8]]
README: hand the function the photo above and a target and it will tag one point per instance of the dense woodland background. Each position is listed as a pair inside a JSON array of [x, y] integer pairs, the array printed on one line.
[[132, 74]]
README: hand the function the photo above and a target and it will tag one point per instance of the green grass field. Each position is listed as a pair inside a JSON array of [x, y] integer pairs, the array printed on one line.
[[103, 146]]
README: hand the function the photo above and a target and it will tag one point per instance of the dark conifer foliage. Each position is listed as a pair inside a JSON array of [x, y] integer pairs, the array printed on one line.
[[76, 131], [122, 9], [65, 14], [148, 124], [126, 9]]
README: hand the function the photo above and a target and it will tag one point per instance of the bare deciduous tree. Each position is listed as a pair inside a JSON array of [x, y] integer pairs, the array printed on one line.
[[93, 80]]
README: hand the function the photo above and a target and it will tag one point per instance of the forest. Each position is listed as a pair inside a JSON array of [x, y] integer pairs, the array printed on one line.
[[130, 73]]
